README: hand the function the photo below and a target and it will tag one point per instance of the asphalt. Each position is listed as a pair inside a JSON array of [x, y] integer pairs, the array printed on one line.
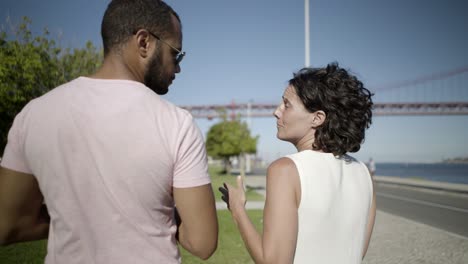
[[397, 239], [441, 209]]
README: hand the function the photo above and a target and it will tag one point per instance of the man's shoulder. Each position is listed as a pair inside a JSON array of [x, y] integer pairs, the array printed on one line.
[[172, 107], [49, 95], [61, 88]]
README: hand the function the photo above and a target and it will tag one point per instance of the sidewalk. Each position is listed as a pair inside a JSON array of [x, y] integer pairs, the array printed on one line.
[[397, 240]]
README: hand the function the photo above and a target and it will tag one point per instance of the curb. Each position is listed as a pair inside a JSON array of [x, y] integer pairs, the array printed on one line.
[[419, 183]]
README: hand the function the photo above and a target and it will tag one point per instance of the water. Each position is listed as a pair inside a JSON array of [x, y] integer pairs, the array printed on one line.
[[442, 172]]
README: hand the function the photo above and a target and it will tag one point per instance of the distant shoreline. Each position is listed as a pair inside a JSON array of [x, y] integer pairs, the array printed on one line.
[[441, 171], [456, 161], [447, 161]]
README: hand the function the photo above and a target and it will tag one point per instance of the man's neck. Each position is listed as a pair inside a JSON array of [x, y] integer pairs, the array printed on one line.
[[116, 67]]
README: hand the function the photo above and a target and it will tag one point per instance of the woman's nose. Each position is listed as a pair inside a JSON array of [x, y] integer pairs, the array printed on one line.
[[277, 112]]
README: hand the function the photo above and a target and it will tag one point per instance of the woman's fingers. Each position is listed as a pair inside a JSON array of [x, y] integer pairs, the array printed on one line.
[[232, 194], [240, 183]]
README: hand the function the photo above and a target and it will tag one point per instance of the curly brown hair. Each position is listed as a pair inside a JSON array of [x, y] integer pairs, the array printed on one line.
[[345, 101]]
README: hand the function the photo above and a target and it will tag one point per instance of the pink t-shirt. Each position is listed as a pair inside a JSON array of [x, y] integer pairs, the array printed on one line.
[[106, 154]]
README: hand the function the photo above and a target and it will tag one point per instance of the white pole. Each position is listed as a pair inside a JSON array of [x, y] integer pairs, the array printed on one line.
[[249, 124], [307, 44], [249, 113]]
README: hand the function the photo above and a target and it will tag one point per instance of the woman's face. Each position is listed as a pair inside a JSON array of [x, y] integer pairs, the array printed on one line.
[[293, 121]]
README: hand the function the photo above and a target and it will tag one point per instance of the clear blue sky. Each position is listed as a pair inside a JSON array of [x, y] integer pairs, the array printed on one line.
[[247, 50]]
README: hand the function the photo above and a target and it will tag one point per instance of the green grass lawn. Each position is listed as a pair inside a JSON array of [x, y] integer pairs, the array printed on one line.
[[230, 250], [24, 253]]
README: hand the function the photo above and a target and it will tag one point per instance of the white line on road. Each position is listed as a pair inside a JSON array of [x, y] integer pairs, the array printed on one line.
[[423, 202]]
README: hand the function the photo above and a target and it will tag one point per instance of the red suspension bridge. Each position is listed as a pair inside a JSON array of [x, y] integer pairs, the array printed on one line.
[[443, 93]]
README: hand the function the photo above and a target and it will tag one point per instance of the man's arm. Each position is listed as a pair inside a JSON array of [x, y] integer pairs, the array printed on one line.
[[198, 229], [24, 217]]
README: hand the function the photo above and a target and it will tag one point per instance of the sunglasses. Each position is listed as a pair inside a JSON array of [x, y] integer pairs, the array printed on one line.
[[180, 54]]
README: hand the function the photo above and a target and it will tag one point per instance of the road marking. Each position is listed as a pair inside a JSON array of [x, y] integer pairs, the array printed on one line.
[[423, 202]]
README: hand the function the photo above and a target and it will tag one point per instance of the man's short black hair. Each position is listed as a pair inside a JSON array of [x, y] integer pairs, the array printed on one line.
[[124, 17]]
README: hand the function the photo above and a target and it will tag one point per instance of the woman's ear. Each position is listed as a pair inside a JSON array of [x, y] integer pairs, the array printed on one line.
[[318, 117]]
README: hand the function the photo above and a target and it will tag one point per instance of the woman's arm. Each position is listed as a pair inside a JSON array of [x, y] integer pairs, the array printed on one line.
[[371, 220], [278, 242]]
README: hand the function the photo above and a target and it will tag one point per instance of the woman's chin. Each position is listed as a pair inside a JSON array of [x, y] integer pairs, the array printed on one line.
[[280, 137]]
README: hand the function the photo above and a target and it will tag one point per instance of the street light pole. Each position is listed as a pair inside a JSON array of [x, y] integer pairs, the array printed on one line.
[[247, 157], [307, 44]]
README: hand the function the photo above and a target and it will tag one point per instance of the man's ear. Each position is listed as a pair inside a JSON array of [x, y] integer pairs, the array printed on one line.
[[318, 117], [142, 40]]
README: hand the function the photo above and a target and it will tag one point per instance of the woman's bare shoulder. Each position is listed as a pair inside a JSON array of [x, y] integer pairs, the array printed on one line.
[[281, 167]]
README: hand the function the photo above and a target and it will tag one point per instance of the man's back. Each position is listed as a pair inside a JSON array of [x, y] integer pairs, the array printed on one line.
[[106, 154]]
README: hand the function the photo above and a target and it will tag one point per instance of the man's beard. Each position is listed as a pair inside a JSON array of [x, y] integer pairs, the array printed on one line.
[[154, 77]]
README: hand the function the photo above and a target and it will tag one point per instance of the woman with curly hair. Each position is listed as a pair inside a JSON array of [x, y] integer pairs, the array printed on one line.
[[320, 202]]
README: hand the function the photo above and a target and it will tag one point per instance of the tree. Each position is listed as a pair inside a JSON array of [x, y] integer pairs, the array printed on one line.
[[31, 66], [228, 139], [80, 62]]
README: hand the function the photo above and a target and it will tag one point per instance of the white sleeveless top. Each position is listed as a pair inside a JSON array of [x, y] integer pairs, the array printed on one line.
[[336, 195]]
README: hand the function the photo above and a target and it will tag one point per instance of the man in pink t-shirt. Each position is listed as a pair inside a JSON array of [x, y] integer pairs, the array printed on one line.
[[104, 167]]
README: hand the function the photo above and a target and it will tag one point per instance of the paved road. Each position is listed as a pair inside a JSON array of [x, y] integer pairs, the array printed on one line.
[[444, 210]]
